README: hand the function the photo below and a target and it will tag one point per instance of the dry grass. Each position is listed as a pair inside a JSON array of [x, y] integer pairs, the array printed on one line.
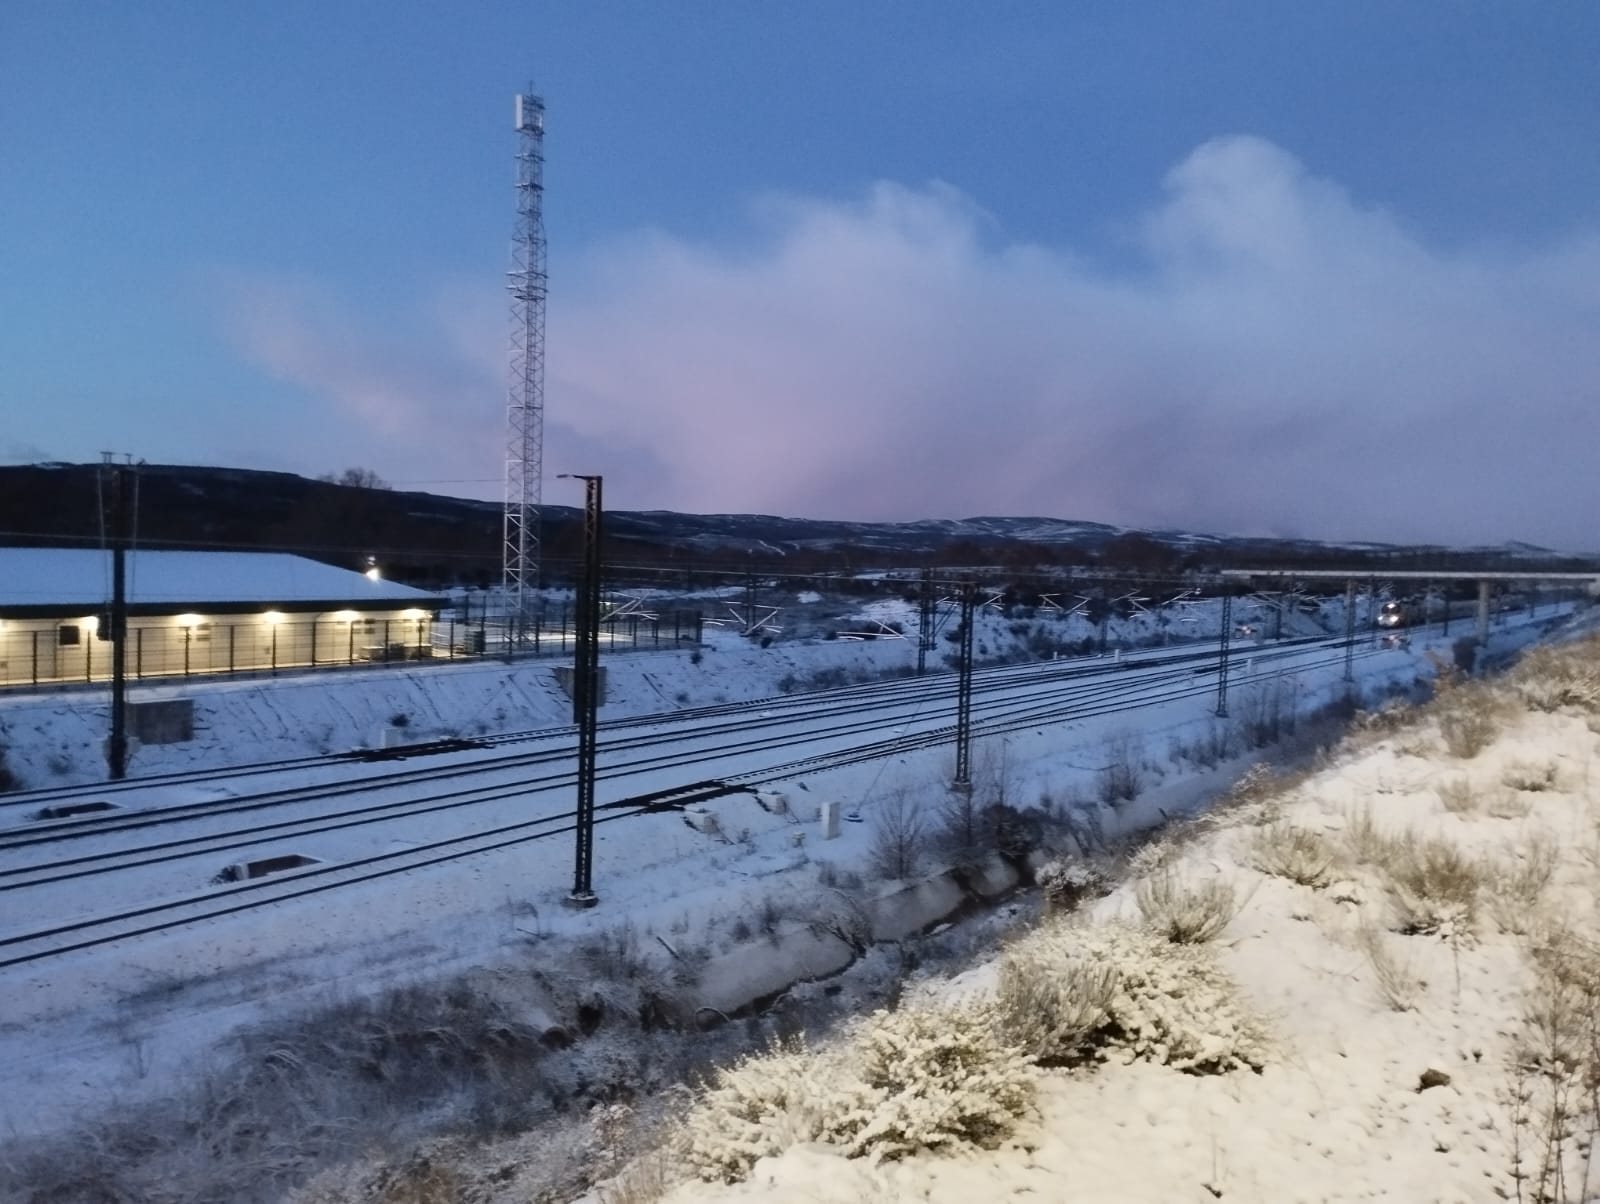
[[1433, 886], [1399, 988], [1295, 853], [1364, 841], [1459, 797], [1184, 912], [1551, 677], [1555, 1092], [1517, 887], [1469, 717], [1535, 779]]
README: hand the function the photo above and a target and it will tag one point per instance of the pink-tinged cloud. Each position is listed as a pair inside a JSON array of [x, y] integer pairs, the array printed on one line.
[[1270, 355], [1280, 358]]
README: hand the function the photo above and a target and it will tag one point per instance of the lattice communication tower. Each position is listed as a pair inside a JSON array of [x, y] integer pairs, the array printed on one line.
[[527, 284]]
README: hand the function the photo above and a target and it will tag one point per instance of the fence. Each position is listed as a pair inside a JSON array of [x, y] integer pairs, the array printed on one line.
[[48, 655]]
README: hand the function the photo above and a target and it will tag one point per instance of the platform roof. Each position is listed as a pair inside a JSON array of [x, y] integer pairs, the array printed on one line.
[[61, 579]]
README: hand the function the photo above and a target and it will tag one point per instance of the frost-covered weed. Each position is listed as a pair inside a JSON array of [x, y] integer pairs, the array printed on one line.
[[928, 1078], [1551, 677], [1122, 993], [915, 1079], [1458, 796], [1049, 1002], [1520, 775], [1433, 886], [1469, 718], [1517, 886], [1295, 853], [757, 1107], [1185, 912], [1067, 884]]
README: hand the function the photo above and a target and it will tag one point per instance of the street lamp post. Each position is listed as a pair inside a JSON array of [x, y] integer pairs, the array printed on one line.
[[586, 690]]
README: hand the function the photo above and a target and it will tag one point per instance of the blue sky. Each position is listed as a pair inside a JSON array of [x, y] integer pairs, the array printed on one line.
[[1316, 268]]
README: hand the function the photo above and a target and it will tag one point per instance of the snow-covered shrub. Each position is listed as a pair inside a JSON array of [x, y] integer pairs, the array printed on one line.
[[1520, 775], [1517, 887], [1184, 912], [1123, 992], [1549, 678], [1295, 853], [1364, 841], [929, 1078], [915, 1079], [755, 1108], [1048, 1002], [1066, 884], [1433, 886], [1469, 719]]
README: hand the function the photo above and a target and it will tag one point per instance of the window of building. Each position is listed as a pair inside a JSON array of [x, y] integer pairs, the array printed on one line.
[[68, 635]]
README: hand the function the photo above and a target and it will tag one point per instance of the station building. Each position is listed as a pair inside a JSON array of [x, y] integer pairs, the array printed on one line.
[[200, 613]]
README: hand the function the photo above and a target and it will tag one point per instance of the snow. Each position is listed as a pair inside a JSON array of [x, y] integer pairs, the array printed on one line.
[[81, 577], [1341, 1110], [180, 993]]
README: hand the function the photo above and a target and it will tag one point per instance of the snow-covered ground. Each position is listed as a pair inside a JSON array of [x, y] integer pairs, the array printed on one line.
[[1419, 1022], [134, 1023]]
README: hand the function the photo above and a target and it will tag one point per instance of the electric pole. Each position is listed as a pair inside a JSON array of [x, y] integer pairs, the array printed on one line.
[[1222, 659], [586, 691], [117, 749], [962, 782]]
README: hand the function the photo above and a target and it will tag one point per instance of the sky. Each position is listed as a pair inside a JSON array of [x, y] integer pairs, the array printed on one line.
[[1323, 269]]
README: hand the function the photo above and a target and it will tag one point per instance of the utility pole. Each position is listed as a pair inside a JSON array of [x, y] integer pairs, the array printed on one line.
[[1222, 659], [750, 596], [586, 691], [962, 782], [926, 610], [117, 750], [1349, 630]]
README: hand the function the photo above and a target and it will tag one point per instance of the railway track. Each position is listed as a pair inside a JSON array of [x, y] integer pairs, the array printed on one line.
[[1065, 699]]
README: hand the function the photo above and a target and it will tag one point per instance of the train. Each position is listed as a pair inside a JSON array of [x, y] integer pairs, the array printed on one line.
[[1419, 612]]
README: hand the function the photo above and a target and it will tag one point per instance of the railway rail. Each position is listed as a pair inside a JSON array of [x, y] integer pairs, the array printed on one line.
[[1057, 694]]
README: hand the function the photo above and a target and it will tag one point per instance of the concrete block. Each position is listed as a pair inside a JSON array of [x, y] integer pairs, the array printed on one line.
[[828, 817]]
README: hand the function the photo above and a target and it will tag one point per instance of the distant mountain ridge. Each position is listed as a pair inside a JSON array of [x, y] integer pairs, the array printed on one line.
[[437, 539]]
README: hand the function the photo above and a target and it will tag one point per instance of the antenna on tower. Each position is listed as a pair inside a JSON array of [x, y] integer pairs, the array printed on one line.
[[527, 284]]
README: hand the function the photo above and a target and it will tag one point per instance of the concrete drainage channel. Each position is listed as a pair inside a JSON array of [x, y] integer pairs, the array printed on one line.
[[753, 974]]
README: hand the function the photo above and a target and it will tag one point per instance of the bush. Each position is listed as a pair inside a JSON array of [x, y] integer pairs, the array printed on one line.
[[916, 1079], [1549, 678], [930, 1078], [1433, 887], [1297, 854], [1050, 1006], [1185, 914], [898, 838], [1517, 886], [1458, 796], [1071, 995], [1468, 720], [1066, 884], [756, 1108], [1122, 778]]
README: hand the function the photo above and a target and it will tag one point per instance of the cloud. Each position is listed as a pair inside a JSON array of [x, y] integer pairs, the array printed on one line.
[[1270, 356], [1280, 359]]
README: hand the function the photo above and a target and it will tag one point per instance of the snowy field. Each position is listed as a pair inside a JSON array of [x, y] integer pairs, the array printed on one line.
[[132, 1020], [1403, 984]]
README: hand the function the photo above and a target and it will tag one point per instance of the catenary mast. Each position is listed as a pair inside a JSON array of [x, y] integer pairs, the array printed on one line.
[[525, 393]]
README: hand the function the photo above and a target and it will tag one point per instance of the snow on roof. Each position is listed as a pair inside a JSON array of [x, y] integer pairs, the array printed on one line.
[[82, 577]]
